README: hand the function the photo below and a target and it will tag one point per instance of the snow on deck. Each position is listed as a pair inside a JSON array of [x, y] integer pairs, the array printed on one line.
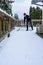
[[22, 48]]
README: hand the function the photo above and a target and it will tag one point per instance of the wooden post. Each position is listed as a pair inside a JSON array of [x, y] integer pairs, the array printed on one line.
[[42, 13], [4, 25], [9, 27], [0, 27]]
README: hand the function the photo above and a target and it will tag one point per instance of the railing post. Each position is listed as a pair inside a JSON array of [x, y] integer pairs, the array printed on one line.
[[0, 27], [9, 27], [42, 12]]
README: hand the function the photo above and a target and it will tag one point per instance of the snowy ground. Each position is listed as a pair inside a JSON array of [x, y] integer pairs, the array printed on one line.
[[22, 48]]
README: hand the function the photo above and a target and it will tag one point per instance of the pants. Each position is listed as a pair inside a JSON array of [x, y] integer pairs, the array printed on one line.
[[30, 25]]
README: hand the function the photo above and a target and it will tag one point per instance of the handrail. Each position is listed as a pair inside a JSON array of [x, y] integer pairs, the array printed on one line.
[[4, 12], [36, 19]]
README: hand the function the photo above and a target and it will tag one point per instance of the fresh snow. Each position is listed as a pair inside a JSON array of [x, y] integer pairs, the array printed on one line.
[[6, 14], [22, 48]]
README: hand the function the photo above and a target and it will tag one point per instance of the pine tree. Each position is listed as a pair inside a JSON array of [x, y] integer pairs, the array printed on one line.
[[6, 5], [35, 13]]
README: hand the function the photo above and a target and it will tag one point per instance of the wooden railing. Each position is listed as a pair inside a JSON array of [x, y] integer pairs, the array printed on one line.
[[34, 22]]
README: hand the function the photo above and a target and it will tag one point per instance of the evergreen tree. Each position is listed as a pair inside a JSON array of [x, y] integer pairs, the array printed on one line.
[[5, 5], [35, 13], [16, 17]]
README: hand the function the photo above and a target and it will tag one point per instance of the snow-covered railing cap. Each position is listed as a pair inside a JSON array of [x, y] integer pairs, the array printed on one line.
[[37, 1], [4, 12]]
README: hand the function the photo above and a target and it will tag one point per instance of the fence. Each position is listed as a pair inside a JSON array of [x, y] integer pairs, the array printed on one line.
[[34, 22]]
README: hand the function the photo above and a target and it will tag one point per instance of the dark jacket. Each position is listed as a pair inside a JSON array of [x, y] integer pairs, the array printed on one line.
[[27, 18]]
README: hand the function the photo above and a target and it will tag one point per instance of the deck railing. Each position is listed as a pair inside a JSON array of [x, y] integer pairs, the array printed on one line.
[[34, 22]]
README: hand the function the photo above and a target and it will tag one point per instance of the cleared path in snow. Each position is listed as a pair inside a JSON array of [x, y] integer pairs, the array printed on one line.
[[22, 48]]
